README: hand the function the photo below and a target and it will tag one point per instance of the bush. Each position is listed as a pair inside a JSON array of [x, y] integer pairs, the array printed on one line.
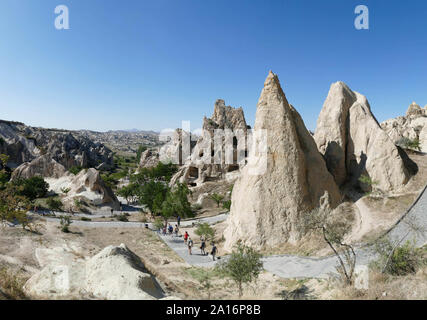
[[85, 219], [32, 188], [407, 143], [400, 260], [65, 222], [217, 198], [226, 204], [204, 229], [75, 169], [54, 204], [122, 217]]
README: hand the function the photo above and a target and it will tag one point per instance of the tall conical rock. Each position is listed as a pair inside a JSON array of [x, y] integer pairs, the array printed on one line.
[[353, 143], [267, 206]]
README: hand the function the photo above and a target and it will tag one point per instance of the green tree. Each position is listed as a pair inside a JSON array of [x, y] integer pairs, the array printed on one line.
[[217, 198], [205, 230], [14, 208], [128, 192], [243, 266], [149, 191], [176, 202], [32, 188]]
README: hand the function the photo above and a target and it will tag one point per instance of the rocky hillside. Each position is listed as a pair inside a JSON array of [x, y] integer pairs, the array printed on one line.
[[123, 141], [25, 144]]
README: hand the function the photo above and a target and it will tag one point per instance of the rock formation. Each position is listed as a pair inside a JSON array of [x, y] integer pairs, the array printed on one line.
[[353, 143], [24, 144], [267, 206], [213, 160], [115, 273], [412, 126], [87, 185], [43, 166], [149, 159]]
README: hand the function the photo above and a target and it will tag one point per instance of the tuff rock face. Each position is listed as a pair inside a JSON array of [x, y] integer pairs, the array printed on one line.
[[412, 126], [267, 207], [24, 144], [353, 143], [115, 273], [149, 159], [43, 166], [207, 161], [86, 185]]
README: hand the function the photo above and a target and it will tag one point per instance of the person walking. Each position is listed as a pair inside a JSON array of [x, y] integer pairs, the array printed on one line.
[[179, 221], [170, 229], [190, 245], [214, 251], [186, 237], [176, 230], [203, 246]]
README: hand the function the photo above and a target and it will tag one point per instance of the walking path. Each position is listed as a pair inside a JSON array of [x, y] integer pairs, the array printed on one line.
[[285, 266]]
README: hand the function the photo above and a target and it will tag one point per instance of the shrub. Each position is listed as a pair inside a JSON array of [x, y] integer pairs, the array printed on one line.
[[65, 222], [65, 190], [54, 204], [226, 204], [32, 188], [398, 260], [75, 169], [217, 198], [407, 143], [85, 219], [122, 217], [204, 229]]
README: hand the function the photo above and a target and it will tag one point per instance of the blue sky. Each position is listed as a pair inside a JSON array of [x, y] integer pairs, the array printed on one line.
[[151, 64]]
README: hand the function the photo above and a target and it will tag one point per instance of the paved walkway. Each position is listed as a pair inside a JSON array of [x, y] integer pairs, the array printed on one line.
[[286, 266]]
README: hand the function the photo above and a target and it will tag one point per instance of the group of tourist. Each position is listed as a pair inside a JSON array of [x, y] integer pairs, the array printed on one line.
[[168, 229], [189, 242]]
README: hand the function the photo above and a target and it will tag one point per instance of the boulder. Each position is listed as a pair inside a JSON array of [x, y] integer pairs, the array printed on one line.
[[268, 203], [353, 143], [87, 185], [115, 273]]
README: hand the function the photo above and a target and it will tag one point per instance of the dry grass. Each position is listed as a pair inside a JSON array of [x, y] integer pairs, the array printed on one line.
[[11, 284]]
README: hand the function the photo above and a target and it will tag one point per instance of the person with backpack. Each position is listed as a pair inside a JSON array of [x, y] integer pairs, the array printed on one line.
[[190, 245], [214, 251]]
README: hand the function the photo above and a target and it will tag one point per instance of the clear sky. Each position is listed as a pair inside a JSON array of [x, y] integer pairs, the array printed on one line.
[[151, 64]]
